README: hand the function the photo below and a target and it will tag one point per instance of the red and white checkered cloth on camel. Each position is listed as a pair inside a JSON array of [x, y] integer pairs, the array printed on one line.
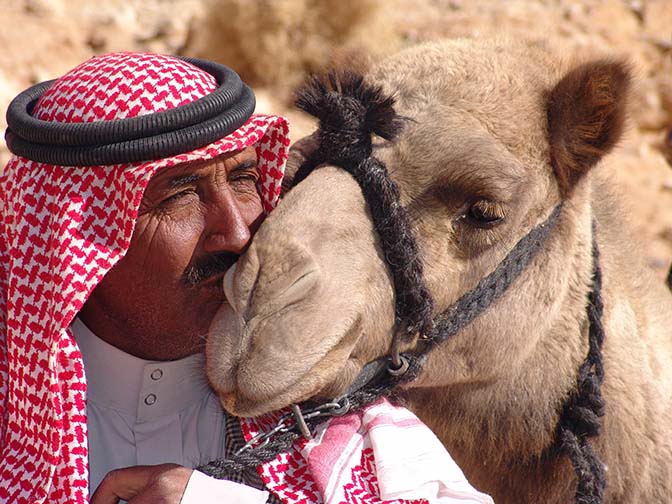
[[63, 228], [382, 454]]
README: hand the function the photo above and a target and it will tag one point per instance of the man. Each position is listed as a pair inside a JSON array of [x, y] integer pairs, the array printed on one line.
[[113, 242]]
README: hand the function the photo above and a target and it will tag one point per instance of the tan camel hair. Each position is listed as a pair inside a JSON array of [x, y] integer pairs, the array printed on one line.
[[498, 132]]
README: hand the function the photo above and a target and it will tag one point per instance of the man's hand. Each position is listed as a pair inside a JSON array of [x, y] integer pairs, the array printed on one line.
[[152, 484]]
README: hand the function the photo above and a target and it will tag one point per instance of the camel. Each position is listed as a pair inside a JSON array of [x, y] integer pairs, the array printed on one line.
[[496, 134]]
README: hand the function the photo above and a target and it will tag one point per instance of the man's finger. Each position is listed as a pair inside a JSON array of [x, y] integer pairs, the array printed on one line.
[[126, 483]]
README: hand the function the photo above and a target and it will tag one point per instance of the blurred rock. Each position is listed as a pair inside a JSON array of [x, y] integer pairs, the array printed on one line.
[[666, 149], [666, 234], [657, 20], [647, 107], [275, 43]]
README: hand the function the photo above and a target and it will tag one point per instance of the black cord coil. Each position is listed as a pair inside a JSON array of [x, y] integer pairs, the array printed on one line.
[[143, 138]]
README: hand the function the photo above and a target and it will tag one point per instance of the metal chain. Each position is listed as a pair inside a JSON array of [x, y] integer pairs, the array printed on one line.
[[296, 420]]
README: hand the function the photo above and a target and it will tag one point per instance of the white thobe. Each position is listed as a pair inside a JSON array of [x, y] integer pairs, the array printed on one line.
[[152, 412]]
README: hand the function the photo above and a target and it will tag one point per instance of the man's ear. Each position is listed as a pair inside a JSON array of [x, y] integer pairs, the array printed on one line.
[[586, 115]]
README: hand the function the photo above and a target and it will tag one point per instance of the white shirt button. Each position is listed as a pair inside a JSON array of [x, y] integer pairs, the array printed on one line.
[[150, 399], [156, 374]]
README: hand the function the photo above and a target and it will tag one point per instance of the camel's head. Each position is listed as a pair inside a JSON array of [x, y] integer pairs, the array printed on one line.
[[494, 137]]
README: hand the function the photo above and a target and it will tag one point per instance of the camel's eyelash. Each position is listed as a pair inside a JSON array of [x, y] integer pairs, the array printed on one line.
[[481, 213], [489, 208]]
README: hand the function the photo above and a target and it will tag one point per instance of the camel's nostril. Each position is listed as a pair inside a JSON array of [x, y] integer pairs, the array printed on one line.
[[228, 286], [298, 289], [267, 279]]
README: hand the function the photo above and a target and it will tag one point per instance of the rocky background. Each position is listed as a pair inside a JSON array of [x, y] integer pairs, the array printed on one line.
[[274, 43]]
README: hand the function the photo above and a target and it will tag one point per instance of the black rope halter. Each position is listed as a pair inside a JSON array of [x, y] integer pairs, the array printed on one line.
[[350, 112], [143, 138]]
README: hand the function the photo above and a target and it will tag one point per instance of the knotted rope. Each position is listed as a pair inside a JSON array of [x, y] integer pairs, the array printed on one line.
[[581, 415], [349, 115]]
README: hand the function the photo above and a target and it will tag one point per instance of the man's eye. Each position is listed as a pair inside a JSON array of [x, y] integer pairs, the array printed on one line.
[[244, 177], [174, 198], [245, 172]]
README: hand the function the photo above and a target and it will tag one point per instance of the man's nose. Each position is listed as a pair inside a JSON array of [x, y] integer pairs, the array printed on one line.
[[228, 224]]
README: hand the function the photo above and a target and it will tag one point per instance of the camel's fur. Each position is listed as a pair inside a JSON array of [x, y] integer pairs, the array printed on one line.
[[311, 300]]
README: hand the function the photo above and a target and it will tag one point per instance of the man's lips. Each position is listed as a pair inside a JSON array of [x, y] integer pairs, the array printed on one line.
[[215, 281], [208, 269]]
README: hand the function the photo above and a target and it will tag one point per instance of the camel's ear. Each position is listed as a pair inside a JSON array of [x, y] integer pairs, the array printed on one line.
[[586, 113]]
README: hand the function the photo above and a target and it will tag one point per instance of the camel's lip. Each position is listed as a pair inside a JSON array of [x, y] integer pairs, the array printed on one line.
[[228, 400], [252, 401], [245, 407], [227, 283], [265, 403]]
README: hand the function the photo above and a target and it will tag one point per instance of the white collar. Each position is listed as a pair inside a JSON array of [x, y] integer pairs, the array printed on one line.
[[143, 389]]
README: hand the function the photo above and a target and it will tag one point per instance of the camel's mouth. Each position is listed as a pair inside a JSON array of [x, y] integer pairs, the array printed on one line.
[[248, 402], [253, 380]]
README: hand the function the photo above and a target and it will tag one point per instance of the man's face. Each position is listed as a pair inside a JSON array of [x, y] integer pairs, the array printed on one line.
[[194, 221]]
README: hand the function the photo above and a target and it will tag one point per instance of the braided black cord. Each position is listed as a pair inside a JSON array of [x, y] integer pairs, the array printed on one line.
[[580, 418], [349, 114], [233, 441], [414, 305], [232, 466]]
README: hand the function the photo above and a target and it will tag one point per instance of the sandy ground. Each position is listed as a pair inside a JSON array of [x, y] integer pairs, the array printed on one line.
[[273, 44]]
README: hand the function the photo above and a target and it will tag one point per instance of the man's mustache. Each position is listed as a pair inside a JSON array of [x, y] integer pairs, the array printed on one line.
[[207, 267]]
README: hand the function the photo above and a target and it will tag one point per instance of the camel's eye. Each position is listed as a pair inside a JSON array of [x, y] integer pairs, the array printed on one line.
[[484, 214]]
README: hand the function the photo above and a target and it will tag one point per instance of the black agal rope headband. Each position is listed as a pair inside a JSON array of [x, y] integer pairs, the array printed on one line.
[[349, 114], [143, 138]]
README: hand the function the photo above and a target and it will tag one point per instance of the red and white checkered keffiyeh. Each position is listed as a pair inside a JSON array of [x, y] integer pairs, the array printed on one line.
[[381, 454], [61, 230]]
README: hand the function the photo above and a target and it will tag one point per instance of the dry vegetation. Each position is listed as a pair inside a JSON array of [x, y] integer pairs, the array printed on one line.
[[273, 43]]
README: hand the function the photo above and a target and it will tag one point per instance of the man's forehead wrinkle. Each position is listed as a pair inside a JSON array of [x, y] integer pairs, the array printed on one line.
[[164, 178], [187, 173], [195, 164], [242, 160], [180, 175], [244, 164]]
